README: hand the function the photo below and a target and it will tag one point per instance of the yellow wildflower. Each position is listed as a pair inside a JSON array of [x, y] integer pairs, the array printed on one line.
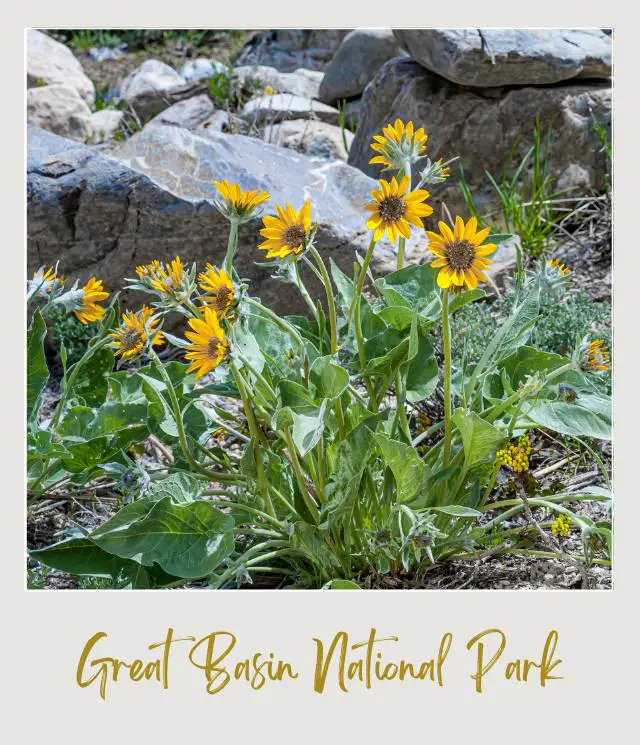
[[208, 343], [393, 209], [561, 526], [287, 233], [92, 294], [130, 338], [460, 253], [219, 289]]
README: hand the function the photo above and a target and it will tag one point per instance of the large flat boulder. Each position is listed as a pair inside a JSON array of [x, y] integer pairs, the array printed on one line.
[[50, 62], [100, 215], [495, 57], [356, 61], [484, 127]]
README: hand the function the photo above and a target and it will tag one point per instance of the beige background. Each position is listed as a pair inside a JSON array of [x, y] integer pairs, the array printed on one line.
[[44, 633]]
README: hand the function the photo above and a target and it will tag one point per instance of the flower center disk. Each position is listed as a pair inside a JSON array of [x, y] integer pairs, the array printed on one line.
[[220, 300], [460, 255], [392, 208], [294, 236]]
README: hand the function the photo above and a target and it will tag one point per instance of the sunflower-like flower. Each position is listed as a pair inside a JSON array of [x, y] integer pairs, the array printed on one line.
[[149, 270], [45, 282], [435, 173], [555, 266], [167, 280], [398, 145], [92, 294], [208, 345], [136, 329], [218, 288], [237, 204], [288, 233], [394, 210], [460, 254], [597, 358]]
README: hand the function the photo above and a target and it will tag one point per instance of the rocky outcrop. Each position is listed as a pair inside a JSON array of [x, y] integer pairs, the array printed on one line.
[[289, 49], [271, 109], [49, 62], [103, 216], [484, 127], [356, 61], [60, 109], [317, 139], [497, 57]]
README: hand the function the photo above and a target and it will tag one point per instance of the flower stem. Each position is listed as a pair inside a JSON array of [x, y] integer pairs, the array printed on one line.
[[182, 438], [255, 437], [231, 246], [326, 281], [401, 243], [446, 343]]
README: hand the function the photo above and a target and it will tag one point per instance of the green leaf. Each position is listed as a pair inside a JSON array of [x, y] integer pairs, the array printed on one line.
[[463, 298], [308, 428], [587, 416], [82, 424], [188, 540], [328, 379], [415, 283], [409, 470], [529, 360], [479, 438], [91, 384], [37, 370], [422, 373], [181, 487], [397, 316], [81, 556]]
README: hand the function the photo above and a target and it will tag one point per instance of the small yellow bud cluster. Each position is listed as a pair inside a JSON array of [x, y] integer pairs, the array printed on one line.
[[561, 526], [422, 422], [516, 456]]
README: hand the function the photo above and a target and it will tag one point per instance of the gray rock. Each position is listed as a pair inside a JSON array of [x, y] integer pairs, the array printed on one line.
[[105, 124], [201, 69], [301, 82], [494, 57], [152, 76], [356, 61], [102, 216], [60, 109], [483, 131], [272, 109], [154, 87], [49, 62], [316, 139], [189, 113], [290, 49], [153, 103]]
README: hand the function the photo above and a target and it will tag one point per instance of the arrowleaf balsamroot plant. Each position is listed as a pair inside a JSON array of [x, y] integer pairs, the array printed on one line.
[[329, 484]]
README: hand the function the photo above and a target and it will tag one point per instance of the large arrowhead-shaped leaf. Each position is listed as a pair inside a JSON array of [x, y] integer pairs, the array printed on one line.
[[308, 428], [188, 540]]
